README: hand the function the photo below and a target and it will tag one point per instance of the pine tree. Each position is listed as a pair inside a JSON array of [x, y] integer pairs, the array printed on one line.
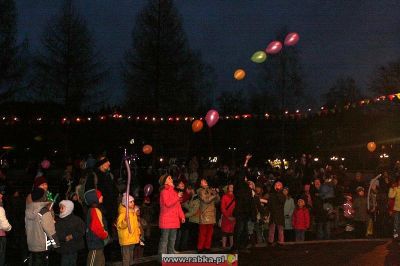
[[69, 68], [386, 79], [162, 74], [12, 63]]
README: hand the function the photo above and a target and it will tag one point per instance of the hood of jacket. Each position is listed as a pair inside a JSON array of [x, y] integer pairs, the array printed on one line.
[[91, 197]]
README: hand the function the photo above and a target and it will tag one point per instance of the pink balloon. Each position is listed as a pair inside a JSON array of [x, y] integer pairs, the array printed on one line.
[[148, 189], [45, 164], [274, 47], [212, 118], [292, 38]]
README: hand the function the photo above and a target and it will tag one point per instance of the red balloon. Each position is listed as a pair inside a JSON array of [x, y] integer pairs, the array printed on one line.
[[45, 164], [292, 38], [147, 149], [212, 118], [274, 47]]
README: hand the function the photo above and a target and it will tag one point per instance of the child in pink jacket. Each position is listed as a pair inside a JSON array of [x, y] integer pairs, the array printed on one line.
[[171, 215]]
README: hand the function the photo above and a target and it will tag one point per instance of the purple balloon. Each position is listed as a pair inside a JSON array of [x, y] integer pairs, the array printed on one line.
[[292, 38], [148, 189], [212, 118], [274, 47]]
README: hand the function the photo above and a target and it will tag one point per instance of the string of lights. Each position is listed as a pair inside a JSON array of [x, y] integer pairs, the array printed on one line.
[[297, 114]]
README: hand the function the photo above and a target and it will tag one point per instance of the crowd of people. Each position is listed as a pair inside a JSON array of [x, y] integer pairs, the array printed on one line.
[[241, 206]]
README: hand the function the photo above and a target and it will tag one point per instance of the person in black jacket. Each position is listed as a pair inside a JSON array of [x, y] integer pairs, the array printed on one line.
[[244, 209], [102, 179], [276, 206], [70, 230]]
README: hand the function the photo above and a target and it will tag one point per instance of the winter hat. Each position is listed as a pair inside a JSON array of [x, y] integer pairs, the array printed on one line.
[[102, 161], [92, 196], [69, 207], [162, 180], [358, 189], [39, 180], [123, 201], [37, 194]]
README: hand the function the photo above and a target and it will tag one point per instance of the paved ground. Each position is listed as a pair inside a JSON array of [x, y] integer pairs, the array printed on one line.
[[346, 252]]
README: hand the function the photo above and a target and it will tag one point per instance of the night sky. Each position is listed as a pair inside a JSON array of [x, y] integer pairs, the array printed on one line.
[[337, 37]]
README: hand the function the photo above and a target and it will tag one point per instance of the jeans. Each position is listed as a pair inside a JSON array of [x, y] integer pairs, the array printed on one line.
[[127, 254], [240, 235], [323, 230], [258, 230], [69, 259], [300, 235], [3, 242], [182, 236], [167, 241], [271, 236], [396, 223]]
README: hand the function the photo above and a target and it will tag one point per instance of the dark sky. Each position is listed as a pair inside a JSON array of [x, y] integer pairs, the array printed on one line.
[[338, 37]]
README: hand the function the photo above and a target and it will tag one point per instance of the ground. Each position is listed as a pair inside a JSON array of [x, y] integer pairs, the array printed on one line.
[[368, 252]]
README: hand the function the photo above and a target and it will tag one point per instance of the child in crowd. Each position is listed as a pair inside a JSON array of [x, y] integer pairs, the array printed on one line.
[[361, 213], [40, 227], [96, 224], [70, 230], [301, 220], [128, 237]]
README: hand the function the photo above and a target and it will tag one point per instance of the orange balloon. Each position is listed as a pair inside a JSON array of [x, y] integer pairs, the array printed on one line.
[[197, 126], [371, 146], [239, 74], [147, 149]]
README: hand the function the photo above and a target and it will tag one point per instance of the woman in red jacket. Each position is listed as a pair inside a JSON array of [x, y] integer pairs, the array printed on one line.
[[171, 215], [228, 221], [301, 220]]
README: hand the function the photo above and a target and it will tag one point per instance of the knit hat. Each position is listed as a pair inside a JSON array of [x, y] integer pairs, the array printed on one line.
[[123, 201], [92, 196], [162, 180], [69, 207], [39, 180], [37, 194], [102, 161], [358, 189]]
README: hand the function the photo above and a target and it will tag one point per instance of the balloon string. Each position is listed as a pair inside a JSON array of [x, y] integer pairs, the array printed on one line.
[[128, 184]]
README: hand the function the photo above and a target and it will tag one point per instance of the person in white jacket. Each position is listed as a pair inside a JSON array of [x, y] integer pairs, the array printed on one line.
[[4, 227]]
